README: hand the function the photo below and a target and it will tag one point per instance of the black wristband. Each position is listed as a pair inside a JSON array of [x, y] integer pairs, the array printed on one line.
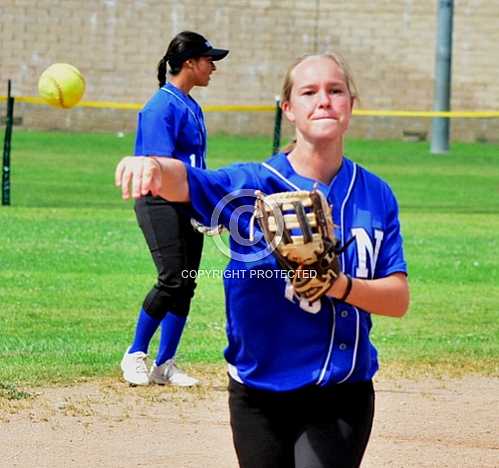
[[347, 289]]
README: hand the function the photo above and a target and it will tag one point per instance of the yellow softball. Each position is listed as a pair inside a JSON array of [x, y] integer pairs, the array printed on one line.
[[61, 85]]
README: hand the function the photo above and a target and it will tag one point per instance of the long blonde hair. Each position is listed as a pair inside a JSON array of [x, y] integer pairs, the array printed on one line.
[[288, 82]]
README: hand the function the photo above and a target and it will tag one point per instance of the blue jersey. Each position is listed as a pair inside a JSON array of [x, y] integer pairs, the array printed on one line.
[[172, 124], [276, 342]]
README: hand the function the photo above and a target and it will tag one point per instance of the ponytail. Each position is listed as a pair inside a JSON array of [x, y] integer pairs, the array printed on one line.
[[289, 147], [162, 71]]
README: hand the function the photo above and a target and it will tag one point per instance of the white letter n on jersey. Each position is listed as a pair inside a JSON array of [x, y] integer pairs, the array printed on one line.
[[365, 248]]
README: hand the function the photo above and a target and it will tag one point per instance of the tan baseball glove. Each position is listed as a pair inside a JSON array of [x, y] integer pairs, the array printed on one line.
[[298, 226]]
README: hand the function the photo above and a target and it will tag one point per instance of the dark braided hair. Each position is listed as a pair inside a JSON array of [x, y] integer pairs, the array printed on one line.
[[186, 40]]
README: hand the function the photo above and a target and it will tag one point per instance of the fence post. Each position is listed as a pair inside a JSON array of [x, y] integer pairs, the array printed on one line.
[[9, 121], [277, 126], [441, 99]]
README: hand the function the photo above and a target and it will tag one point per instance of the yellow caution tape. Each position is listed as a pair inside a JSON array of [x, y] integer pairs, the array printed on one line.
[[271, 108], [96, 104], [240, 108]]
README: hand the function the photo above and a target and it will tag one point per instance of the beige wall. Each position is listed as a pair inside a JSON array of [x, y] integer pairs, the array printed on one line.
[[116, 44]]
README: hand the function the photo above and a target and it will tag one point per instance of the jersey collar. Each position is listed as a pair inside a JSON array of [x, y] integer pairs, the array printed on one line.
[[338, 186], [177, 91]]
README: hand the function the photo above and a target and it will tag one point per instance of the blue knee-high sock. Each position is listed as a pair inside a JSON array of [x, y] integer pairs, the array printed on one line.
[[146, 326], [172, 327]]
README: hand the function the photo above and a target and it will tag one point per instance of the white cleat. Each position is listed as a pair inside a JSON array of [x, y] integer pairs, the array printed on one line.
[[169, 373], [134, 368]]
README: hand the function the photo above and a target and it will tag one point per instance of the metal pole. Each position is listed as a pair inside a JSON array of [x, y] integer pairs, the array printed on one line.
[[6, 148], [277, 126], [441, 98]]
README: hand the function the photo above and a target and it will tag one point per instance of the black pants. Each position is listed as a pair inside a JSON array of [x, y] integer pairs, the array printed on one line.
[[175, 248], [314, 427]]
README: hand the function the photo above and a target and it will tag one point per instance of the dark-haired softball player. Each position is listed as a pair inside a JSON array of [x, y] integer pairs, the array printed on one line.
[[300, 385], [170, 126]]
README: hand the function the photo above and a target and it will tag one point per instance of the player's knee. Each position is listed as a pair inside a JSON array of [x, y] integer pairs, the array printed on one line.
[[157, 303], [169, 297]]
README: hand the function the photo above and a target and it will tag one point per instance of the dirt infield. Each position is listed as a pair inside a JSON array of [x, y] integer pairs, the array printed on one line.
[[419, 423]]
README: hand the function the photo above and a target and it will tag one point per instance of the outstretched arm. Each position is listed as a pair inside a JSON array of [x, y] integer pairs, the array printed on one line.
[[164, 177]]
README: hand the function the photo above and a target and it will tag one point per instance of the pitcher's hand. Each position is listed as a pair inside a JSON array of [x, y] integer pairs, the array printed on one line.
[[144, 174]]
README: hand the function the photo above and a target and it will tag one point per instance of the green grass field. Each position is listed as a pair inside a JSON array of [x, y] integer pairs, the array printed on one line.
[[74, 267]]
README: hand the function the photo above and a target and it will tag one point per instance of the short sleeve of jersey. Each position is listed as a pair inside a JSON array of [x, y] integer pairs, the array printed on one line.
[[158, 128], [215, 194], [391, 257]]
